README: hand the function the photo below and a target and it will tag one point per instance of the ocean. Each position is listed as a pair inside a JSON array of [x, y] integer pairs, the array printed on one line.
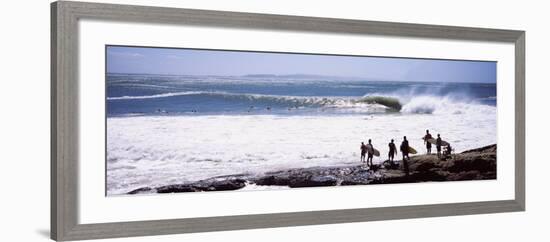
[[172, 129]]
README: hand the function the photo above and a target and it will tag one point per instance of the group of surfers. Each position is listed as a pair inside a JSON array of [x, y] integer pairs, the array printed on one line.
[[367, 150]]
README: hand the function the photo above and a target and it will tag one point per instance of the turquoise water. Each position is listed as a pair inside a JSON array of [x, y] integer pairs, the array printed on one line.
[[129, 94]]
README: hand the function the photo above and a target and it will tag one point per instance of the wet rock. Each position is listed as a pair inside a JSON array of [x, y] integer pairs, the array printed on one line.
[[176, 188], [226, 185], [361, 177], [143, 190], [213, 184], [479, 163], [272, 180], [484, 149], [475, 164], [313, 181]]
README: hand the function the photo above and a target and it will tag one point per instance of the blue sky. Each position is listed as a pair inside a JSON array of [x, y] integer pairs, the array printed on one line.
[[235, 63]]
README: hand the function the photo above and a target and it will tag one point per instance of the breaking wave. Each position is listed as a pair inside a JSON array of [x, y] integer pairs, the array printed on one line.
[[170, 94], [414, 104], [293, 101]]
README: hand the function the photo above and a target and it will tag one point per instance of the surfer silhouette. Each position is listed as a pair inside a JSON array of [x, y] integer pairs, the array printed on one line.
[[438, 143], [392, 151], [426, 138], [447, 151], [363, 151], [405, 151], [370, 153]]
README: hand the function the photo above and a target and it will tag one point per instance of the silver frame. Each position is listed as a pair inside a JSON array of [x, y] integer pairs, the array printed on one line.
[[64, 118]]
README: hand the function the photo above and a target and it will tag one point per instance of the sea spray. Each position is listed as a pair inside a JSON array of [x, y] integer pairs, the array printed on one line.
[[205, 95], [161, 150], [173, 129]]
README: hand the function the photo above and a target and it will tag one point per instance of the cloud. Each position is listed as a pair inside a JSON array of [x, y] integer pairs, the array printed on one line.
[[176, 57], [124, 54]]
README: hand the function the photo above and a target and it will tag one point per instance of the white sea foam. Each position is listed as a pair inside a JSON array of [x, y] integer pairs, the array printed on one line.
[[170, 94], [371, 104], [442, 105], [160, 150]]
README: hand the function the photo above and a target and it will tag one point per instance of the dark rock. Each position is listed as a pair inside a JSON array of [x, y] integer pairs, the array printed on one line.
[[312, 181], [375, 167], [389, 177], [429, 175], [390, 165], [219, 184], [361, 177], [484, 149], [464, 175], [214, 184], [176, 188], [482, 164], [475, 164], [425, 167], [227, 185], [272, 180], [142, 190]]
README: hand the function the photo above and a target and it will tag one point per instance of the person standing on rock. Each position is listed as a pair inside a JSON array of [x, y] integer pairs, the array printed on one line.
[[427, 137], [392, 152], [363, 152], [405, 151], [447, 152], [438, 143], [370, 153]]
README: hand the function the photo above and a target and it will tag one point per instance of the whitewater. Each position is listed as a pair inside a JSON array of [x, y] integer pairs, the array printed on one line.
[[161, 150], [168, 131]]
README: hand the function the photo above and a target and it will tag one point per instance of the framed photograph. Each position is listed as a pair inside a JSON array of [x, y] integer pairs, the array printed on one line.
[[169, 120]]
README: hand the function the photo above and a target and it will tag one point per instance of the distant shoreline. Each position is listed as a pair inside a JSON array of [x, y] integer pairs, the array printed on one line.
[[299, 76]]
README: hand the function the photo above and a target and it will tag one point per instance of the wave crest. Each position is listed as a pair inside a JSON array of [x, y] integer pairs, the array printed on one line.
[[292, 101], [170, 94], [390, 102], [416, 104], [444, 105]]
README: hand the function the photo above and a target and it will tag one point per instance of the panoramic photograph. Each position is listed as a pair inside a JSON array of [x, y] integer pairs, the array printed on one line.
[[198, 120]]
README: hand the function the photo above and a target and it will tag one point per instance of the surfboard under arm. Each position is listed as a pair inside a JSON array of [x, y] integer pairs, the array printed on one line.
[[434, 141]]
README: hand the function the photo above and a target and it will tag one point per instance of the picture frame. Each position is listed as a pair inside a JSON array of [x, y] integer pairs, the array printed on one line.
[[65, 16]]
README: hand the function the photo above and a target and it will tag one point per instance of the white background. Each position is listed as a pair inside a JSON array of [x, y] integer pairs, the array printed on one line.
[[96, 208], [24, 133]]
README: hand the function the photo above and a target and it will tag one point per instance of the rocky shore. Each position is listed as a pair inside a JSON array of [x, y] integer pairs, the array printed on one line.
[[475, 164]]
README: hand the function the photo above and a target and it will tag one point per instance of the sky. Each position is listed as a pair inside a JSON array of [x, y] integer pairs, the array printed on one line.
[[167, 61]]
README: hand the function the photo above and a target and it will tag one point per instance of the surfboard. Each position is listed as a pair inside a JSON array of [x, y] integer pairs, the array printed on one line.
[[376, 152], [434, 141], [412, 150]]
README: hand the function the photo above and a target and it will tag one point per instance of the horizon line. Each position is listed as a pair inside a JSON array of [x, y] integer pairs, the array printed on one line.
[[282, 75]]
